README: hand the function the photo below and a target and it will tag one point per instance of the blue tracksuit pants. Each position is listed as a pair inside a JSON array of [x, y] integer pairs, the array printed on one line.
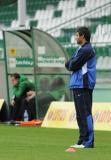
[[83, 106]]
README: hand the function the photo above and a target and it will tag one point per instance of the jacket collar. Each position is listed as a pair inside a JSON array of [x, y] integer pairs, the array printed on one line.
[[85, 44]]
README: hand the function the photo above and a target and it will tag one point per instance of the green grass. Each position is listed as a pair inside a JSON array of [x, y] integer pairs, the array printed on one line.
[[32, 143]]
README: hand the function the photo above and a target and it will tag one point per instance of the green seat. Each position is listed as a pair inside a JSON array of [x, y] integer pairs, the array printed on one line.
[[7, 14], [33, 23], [64, 39], [81, 3], [58, 13], [68, 31]]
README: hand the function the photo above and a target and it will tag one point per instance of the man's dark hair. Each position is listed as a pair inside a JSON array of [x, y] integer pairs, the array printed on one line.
[[84, 31], [15, 75]]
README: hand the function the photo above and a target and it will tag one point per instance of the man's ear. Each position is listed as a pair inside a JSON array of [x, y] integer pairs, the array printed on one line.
[[82, 36]]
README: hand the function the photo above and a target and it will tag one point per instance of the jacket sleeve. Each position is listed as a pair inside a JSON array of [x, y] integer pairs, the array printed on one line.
[[20, 90], [77, 62]]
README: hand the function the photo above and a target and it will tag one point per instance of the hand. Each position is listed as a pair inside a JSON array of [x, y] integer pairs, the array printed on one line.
[[12, 102], [30, 95]]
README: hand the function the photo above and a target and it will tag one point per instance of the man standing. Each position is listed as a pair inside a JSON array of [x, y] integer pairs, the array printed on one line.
[[82, 82]]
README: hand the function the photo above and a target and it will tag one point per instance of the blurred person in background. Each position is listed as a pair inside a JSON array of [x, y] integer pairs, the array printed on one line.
[[56, 92]]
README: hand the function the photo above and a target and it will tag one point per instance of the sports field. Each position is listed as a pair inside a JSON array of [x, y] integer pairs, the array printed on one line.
[[33, 143]]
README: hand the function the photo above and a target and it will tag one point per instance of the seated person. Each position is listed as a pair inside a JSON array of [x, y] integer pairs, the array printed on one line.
[[56, 92], [21, 85], [44, 84]]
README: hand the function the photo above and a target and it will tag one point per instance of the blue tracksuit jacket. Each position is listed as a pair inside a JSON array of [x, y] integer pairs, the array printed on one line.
[[83, 67]]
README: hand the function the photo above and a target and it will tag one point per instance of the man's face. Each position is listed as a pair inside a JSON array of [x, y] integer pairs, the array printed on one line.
[[14, 81], [79, 38]]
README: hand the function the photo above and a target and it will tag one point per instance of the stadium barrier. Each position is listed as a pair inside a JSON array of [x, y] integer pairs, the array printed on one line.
[[63, 115]]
